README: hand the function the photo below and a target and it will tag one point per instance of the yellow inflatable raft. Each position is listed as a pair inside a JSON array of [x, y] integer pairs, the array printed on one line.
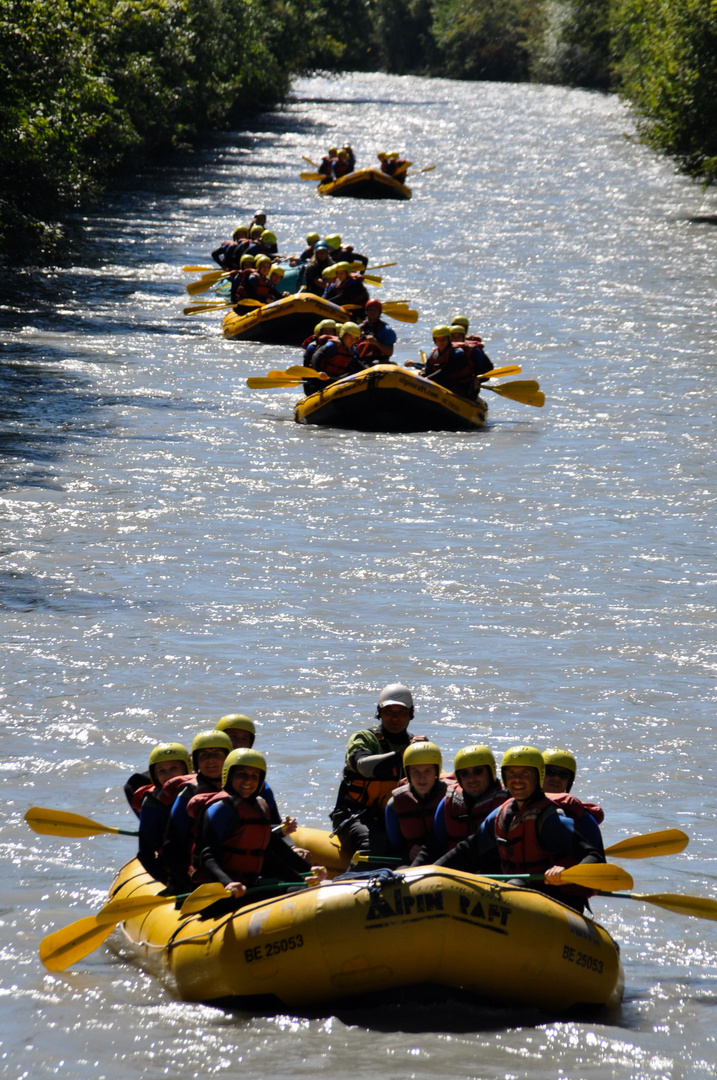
[[366, 184], [390, 398], [284, 322], [347, 938]]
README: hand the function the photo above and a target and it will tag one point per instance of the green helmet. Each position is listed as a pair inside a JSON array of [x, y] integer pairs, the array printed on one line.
[[256, 231], [460, 320], [262, 260], [562, 759], [268, 236], [241, 230], [456, 328], [246, 261], [210, 740], [349, 328], [169, 751], [237, 721], [312, 238], [277, 270], [526, 757], [325, 325], [252, 759], [346, 267], [329, 273], [421, 753], [334, 241], [472, 756], [440, 331]]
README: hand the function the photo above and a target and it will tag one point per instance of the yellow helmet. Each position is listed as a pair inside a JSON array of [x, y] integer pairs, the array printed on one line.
[[349, 328], [346, 267], [312, 238], [246, 261], [325, 326], [169, 751], [238, 721], [268, 236], [256, 231], [333, 240], [440, 331], [471, 756], [422, 753], [252, 759], [562, 759], [277, 270], [329, 273], [526, 757], [241, 230], [210, 740], [460, 320], [457, 328], [262, 260]]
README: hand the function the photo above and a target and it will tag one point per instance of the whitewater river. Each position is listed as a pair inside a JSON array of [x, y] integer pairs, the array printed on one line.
[[175, 548]]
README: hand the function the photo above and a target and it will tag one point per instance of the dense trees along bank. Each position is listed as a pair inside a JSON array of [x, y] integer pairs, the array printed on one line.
[[90, 87]]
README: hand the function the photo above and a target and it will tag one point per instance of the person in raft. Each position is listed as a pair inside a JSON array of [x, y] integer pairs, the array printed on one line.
[[474, 795], [529, 834], [449, 366], [327, 161], [338, 356], [482, 364], [209, 749], [411, 809], [166, 761], [236, 839], [242, 732], [377, 337], [560, 770], [373, 768], [321, 259]]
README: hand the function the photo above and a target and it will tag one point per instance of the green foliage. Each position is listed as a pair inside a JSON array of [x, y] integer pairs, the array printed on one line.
[[402, 32], [666, 55], [576, 51], [487, 39]]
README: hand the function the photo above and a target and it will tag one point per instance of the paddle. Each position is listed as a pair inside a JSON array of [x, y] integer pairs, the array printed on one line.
[[205, 283], [300, 372], [526, 391], [309, 161], [218, 305], [314, 176], [697, 906], [589, 875], [73, 942], [199, 269], [62, 823], [270, 382], [650, 845]]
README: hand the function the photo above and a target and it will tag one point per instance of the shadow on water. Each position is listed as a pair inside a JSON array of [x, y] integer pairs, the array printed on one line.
[[420, 1009], [23, 593]]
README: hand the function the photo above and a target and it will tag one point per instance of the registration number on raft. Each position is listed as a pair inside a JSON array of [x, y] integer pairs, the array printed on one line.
[[274, 948], [582, 959]]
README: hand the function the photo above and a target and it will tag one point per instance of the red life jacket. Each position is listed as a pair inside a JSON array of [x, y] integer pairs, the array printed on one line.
[[334, 363], [174, 785], [243, 850], [517, 836], [415, 816], [361, 791], [575, 808], [461, 820], [350, 291], [138, 796], [259, 288], [454, 370]]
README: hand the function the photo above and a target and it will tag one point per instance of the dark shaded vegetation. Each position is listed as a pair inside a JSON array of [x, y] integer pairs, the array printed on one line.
[[90, 88]]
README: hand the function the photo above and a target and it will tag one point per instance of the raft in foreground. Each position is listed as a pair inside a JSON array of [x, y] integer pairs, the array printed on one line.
[[366, 184], [390, 398], [347, 939]]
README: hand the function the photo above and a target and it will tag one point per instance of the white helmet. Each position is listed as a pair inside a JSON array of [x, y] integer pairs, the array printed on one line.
[[396, 694]]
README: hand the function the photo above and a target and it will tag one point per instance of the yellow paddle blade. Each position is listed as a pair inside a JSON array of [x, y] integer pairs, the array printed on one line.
[[597, 876], [526, 391], [423, 356], [64, 947], [261, 382], [62, 823], [200, 309], [498, 372], [649, 845], [198, 269], [373, 279], [313, 176], [309, 161], [428, 168], [203, 896], [129, 907], [408, 315], [696, 906], [298, 371]]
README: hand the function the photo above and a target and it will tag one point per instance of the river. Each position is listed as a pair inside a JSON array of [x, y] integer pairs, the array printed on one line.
[[176, 548]]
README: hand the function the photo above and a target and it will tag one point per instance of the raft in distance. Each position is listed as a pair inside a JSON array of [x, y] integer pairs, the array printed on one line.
[[366, 184]]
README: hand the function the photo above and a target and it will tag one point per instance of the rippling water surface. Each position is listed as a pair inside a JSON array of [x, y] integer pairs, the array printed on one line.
[[176, 548]]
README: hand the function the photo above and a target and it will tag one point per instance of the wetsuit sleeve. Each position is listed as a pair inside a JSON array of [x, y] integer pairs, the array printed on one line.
[[152, 824], [558, 834], [393, 827], [476, 851], [136, 780], [268, 796], [175, 847], [215, 824]]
